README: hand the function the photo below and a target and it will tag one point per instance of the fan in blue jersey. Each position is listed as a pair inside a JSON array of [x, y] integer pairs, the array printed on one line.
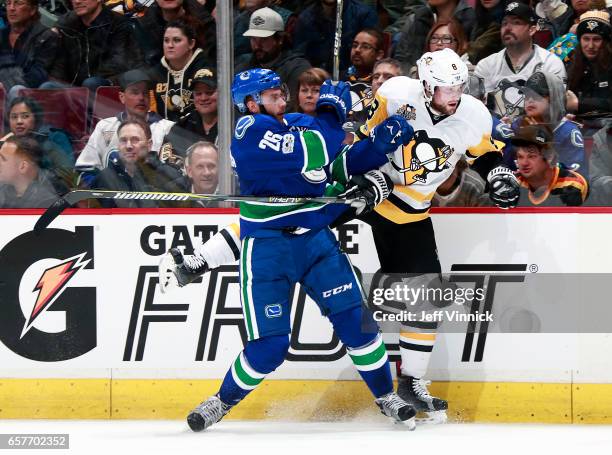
[[283, 244]]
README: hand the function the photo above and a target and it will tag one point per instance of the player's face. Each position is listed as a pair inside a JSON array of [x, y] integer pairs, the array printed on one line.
[[446, 99], [133, 144], [275, 101], [19, 11], [135, 97], [177, 47], [591, 44], [515, 31], [382, 73], [10, 162], [536, 106], [364, 52], [308, 95], [530, 162], [202, 170], [205, 99], [442, 38], [21, 120]]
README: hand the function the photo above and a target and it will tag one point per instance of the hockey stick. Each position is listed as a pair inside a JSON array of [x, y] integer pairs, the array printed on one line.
[[73, 197], [337, 40]]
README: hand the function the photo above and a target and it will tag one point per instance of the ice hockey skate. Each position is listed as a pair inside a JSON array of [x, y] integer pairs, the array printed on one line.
[[415, 392], [397, 409], [178, 270], [207, 413]]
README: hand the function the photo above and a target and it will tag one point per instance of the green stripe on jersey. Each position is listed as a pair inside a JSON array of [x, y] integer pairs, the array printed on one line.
[[315, 153], [265, 212], [338, 168]]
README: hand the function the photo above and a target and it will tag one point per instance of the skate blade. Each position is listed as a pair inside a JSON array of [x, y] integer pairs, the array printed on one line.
[[167, 278], [410, 424], [432, 418]]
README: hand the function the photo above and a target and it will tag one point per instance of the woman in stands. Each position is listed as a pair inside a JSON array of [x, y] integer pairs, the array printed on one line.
[[485, 38], [309, 84], [590, 74], [181, 60], [25, 118]]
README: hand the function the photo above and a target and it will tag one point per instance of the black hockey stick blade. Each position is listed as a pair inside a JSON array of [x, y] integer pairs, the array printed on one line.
[[50, 214]]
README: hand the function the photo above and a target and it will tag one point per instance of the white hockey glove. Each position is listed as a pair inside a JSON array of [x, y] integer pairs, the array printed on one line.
[[177, 270], [504, 188], [368, 190]]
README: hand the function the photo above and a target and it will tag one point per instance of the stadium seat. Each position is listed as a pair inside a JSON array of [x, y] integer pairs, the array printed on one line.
[[63, 108], [106, 104]]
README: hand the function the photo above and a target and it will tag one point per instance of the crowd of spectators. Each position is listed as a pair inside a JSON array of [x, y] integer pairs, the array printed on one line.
[[543, 68]]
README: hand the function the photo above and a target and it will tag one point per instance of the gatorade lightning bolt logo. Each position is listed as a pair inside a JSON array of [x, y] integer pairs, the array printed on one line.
[[51, 285]]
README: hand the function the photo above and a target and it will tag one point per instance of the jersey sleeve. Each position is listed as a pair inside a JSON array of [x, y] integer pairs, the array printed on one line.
[[480, 131], [223, 248], [264, 147], [378, 110]]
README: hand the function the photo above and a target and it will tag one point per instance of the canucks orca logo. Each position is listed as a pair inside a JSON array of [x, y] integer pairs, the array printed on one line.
[[424, 155], [243, 125]]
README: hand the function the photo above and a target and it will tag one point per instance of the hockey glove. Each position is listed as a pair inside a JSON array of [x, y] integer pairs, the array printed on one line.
[[175, 269], [390, 134], [368, 190], [504, 188], [335, 96]]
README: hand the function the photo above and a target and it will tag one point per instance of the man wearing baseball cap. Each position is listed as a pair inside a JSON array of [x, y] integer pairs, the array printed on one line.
[[198, 125], [543, 181], [134, 95], [509, 68], [269, 51]]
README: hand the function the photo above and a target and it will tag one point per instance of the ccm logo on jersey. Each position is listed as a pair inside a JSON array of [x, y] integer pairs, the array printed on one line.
[[277, 142], [338, 290]]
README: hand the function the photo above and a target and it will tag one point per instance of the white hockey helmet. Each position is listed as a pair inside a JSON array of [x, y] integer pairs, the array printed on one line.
[[443, 68]]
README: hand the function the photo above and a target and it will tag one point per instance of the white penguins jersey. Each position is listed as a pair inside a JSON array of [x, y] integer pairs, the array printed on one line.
[[439, 142]]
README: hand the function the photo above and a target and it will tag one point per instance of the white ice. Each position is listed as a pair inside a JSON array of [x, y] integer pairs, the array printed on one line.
[[378, 437]]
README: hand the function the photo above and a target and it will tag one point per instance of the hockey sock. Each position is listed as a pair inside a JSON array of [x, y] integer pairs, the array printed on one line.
[[415, 348], [367, 350], [259, 358]]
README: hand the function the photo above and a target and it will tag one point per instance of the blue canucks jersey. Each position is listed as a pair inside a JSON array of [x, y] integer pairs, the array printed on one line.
[[299, 157]]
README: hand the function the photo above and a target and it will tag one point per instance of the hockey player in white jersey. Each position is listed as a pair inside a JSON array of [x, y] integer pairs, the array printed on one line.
[[449, 126]]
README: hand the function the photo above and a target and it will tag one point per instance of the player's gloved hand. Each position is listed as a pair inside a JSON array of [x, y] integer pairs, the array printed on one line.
[[504, 188], [176, 269], [368, 190], [335, 96], [391, 133]]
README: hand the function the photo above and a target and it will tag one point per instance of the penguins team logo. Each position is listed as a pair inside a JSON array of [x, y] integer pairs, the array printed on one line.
[[424, 155], [407, 111], [46, 315]]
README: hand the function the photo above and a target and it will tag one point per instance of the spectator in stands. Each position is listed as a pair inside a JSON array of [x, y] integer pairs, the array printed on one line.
[[463, 188], [199, 125], [270, 50], [485, 38], [367, 48], [590, 74], [309, 85], [25, 119], [134, 95], [506, 71], [97, 46], [136, 168], [564, 17], [181, 60], [545, 105], [384, 70], [600, 166], [419, 22], [315, 31], [201, 171], [23, 184], [27, 48], [543, 181], [151, 27], [242, 44], [444, 34]]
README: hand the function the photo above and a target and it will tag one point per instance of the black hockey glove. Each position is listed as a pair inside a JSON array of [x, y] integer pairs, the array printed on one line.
[[504, 188], [368, 190]]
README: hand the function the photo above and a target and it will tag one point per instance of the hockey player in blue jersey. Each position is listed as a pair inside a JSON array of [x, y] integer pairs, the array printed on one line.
[[284, 244]]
